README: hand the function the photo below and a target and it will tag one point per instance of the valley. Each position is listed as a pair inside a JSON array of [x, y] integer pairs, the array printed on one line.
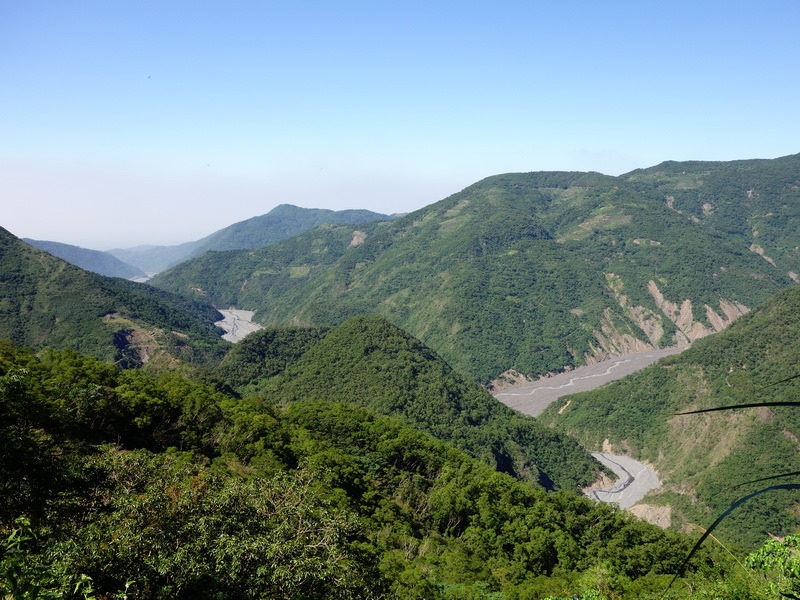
[[345, 445], [634, 479], [533, 397], [535, 272], [237, 324]]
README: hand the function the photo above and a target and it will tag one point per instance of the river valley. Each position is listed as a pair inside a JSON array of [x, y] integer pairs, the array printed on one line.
[[634, 479]]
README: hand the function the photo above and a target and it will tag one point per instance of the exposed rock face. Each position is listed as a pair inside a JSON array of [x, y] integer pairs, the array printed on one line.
[[359, 237], [644, 318], [508, 379], [683, 316], [760, 251], [616, 337], [612, 341], [655, 515]]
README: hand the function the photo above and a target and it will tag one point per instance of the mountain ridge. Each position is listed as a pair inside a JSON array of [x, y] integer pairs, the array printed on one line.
[[280, 223], [45, 301], [380, 367], [537, 272], [96, 261]]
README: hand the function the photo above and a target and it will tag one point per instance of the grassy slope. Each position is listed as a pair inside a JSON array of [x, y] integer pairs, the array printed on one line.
[[702, 457]]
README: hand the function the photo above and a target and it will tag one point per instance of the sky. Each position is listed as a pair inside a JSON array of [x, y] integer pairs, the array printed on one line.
[[126, 123]]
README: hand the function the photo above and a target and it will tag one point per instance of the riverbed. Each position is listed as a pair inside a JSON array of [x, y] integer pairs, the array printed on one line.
[[237, 323], [634, 479], [533, 397]]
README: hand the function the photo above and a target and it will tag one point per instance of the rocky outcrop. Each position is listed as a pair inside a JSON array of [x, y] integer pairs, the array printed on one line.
[[683, 316], [616, 336], [760, 251]]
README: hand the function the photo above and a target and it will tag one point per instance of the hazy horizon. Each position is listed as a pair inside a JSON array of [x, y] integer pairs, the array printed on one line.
[[149, 123]]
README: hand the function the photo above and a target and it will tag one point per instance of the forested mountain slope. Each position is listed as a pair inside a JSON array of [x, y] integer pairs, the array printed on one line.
[[537, 271], [45, 301], [95, 261], [175, 490], [754, 201], [281, 223], [702, 458], [370, 362]]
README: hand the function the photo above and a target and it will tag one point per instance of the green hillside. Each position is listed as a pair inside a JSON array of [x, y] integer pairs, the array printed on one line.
[[369, 362], [95, 261], [45, 301], [165, 488], [536, 271], [754, 201], [279, 224], [701, 458]]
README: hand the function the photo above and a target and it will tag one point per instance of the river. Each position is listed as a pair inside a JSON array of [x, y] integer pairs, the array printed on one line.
[[237, 323], [634, 479]]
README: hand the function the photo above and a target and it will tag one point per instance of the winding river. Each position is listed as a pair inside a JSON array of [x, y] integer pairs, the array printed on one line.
[[634, 479]]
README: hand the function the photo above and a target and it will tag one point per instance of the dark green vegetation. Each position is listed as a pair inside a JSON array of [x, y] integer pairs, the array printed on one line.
[[95, 261], [703, 457], [281, 223], [191, 493], [536, 271], [369, 362], [45, 301]]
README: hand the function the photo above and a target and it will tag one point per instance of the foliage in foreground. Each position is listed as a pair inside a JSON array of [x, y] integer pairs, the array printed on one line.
[[192, 493]]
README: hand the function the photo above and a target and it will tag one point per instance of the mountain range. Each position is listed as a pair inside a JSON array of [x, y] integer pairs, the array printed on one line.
[[708, 461], [537, 272], [282, 222], [349, 450], [47, 301], [95, 261]]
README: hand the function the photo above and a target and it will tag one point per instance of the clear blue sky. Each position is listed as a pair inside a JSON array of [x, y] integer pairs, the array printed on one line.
[[125, 123]]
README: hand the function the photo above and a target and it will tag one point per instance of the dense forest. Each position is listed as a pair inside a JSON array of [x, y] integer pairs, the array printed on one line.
[[380, 367], [45, 301], [115, 480], [349, 449]]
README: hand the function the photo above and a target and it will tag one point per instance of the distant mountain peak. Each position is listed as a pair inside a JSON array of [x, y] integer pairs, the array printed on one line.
[[277, 225], [96, 261]]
